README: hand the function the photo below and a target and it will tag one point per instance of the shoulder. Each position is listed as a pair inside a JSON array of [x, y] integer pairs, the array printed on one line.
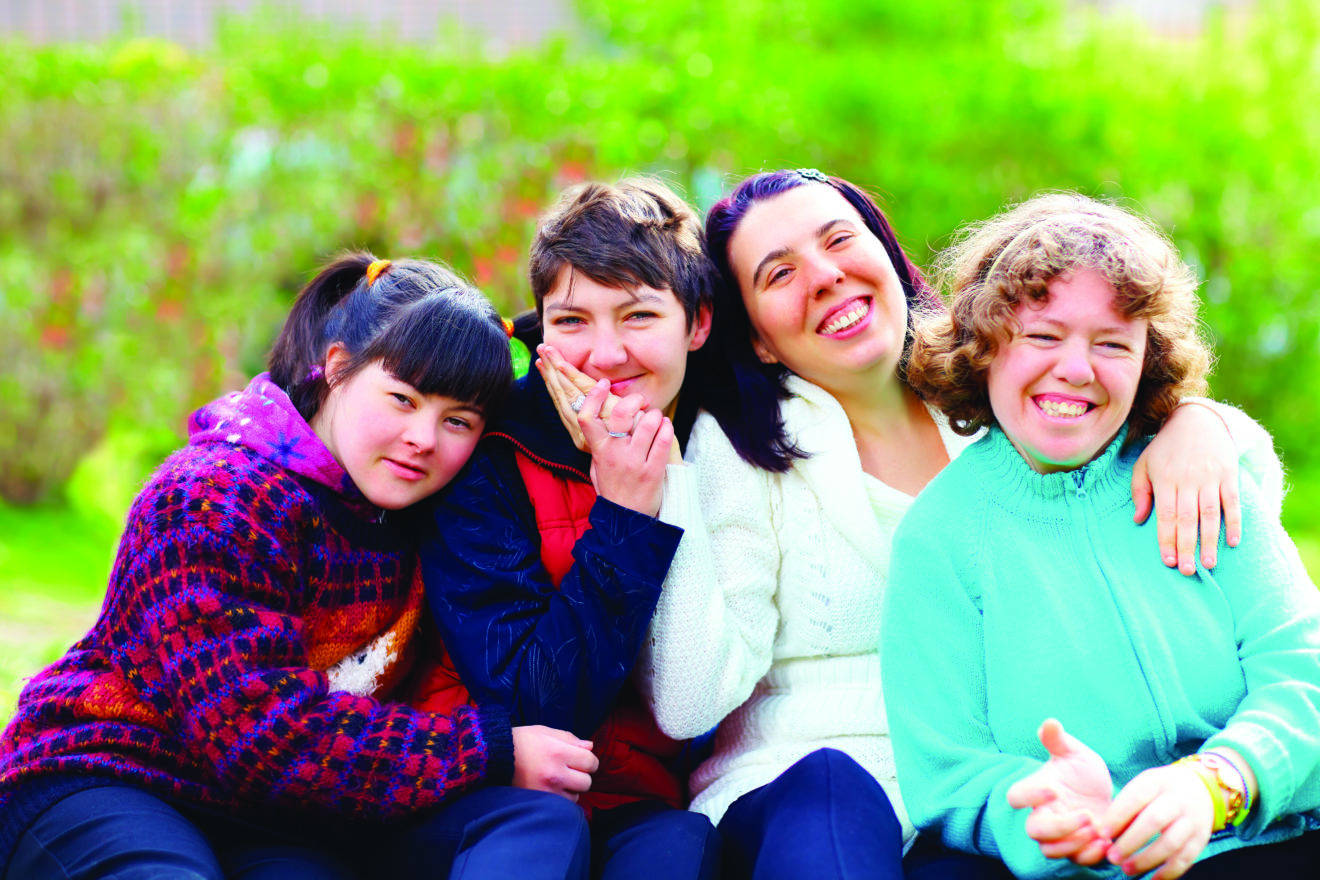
[[220, 481], [952, 501]]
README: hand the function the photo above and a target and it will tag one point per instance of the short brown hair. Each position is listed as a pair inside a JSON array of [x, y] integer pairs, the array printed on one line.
[[636, 233], [994, 266]]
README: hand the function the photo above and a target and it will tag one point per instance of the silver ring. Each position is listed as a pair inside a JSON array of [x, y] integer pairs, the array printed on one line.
[[576, 404], [619, 433]]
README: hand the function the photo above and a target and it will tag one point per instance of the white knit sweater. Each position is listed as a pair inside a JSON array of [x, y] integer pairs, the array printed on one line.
[[769, 621]]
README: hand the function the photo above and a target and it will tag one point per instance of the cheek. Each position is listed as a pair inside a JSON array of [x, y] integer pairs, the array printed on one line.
[[575, 347]]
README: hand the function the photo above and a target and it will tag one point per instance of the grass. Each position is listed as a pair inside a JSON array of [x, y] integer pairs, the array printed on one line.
[[55, 561]]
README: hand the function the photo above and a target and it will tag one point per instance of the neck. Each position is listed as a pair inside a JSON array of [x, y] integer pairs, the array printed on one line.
[[880, 407], [897, 440]]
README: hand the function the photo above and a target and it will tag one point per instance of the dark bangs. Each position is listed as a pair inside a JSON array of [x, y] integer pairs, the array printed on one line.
[[447, 344]]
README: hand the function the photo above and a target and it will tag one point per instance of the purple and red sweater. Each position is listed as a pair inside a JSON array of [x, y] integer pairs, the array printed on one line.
[[252, 582]]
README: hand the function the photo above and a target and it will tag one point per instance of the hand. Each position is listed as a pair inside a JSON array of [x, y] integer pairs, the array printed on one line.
[[1168, 811], [1066, 796], [1191, 468], [567, 383], [545, 759], [629, 450]]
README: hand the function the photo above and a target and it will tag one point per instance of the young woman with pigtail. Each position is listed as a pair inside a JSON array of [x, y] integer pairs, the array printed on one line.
[[229, 713]]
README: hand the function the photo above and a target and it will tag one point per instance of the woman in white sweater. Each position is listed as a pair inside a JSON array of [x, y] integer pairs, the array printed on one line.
[[807, 455]]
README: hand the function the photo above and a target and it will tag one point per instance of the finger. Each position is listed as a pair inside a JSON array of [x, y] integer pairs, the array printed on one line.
[[1166, 525], [1209, 509], [1188, 521], [1148, 824], [624, 415], [1169, 845], [578, 379], [1142, 494], [582, 761], [1232, 507], [588, 417], [1068, 847], [1093, 852], [1031, 792], [1057, 741], [1053, 826], [663, 442], [576, 781], [1125, 806]]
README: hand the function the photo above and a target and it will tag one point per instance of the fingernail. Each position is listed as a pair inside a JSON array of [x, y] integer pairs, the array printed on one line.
[[1170, 560], [1208, 561], [1189, 568], [1233, 540]]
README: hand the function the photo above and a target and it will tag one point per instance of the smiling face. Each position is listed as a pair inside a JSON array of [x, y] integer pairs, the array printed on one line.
[[638, 339], [820, 290], [397, 445], [1063, 384]]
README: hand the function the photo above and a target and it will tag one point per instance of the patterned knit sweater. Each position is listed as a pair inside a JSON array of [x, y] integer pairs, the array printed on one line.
[[250, 598]]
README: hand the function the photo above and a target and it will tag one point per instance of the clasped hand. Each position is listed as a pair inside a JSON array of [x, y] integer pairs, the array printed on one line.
[[629, 443], [1160, 821]]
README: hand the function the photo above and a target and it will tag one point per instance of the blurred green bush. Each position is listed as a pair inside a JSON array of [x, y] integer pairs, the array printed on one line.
[[159, 207]]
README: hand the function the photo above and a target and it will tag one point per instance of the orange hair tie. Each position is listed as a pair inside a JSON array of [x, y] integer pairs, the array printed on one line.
[[508, 327], [375, 270]]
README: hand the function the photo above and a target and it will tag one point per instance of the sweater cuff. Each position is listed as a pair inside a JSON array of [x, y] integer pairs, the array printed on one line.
[[632, 542], [680, 505], [495, 727]]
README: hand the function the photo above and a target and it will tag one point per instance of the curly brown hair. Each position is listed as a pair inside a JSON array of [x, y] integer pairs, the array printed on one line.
[[994, 266]]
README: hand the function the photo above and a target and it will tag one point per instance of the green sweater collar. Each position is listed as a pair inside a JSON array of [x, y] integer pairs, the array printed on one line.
[[1105, 482]]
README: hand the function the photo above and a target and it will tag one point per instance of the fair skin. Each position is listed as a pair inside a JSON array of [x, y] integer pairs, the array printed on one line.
[[1160, 821], [1062, 385], [824, 301], [400, 446], [626, 350], [396, 444]]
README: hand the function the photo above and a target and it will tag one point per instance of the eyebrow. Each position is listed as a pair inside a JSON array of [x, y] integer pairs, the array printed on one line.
[[636, 298], [1112, 328], [780, 253]]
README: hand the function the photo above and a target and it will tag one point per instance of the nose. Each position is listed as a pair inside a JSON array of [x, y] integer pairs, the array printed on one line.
[[1074, 363], [822, 273], [607, 349], [421, 435]]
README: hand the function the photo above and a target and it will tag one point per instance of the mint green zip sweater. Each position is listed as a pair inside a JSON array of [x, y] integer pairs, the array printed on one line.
[[1016, 596]]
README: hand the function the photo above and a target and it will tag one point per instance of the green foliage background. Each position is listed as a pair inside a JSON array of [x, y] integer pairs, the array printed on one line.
[[159, 207]]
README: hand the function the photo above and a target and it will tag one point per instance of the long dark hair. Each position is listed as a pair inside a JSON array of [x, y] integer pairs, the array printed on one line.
[[746, 394], [423, 323]]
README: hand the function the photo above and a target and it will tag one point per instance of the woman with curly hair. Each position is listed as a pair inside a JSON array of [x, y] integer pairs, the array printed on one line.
[[1193, 704]]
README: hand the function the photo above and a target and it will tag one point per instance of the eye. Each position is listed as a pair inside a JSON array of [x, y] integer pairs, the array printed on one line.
[[401, 398], [1041, 336], [567, 321], [459, 422], [1115, 346], [778, 274], [840, 239], [640, 316]]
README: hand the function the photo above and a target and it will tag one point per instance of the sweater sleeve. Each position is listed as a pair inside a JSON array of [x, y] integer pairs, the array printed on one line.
[[555, 655], [712, 638], [1276, 611], [953, 776], [207, 614]]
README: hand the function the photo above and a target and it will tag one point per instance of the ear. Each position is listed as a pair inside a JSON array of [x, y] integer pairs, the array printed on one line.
[[765, 354], [700, 331], [336, 359]]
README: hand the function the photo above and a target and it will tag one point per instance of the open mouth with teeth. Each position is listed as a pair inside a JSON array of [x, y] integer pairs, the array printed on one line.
[[1063, 409], [847, 317]]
